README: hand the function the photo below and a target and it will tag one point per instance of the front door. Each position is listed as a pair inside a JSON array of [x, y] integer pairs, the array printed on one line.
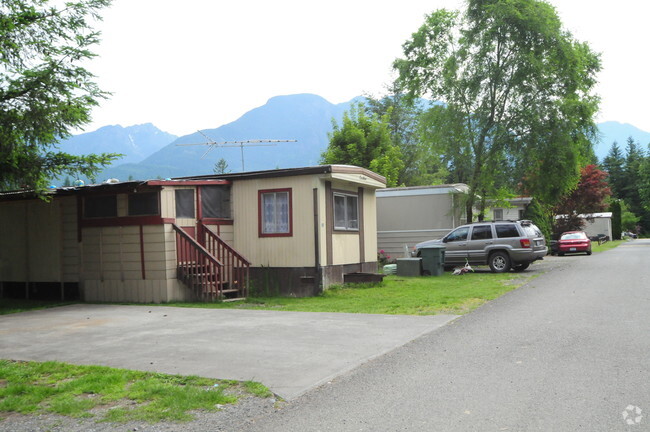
[[186, 211]]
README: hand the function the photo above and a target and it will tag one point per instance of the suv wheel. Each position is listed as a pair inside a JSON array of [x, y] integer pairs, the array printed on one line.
[[499, 262]]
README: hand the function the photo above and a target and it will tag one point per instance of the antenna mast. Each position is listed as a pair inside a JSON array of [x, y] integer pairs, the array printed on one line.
[[248, 143]]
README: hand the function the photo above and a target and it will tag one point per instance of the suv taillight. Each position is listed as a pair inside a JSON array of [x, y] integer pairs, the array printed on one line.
[[525, 243]]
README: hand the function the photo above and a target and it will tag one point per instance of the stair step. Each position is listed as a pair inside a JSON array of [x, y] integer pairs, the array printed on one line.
[[233, 299]]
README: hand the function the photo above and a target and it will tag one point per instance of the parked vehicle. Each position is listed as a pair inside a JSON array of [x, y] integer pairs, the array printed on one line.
[[503, 245], [573, 242]]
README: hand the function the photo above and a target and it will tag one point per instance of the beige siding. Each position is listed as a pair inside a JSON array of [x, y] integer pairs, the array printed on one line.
[[370, 224], [411, 219], [143, 291], [294, 251], [225, 232], [13, 247], [38, 241], [114, 253], [167, 203], [70, 249], [345, 248]]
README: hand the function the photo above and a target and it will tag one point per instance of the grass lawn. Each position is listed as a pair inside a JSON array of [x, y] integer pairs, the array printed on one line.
[[606, 246], [396, 295], [9, 306], [115, 395]]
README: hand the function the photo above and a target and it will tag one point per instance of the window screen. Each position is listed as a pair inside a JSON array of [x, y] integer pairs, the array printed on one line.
[[498, 214], [346, 212], [506, 230], [143, 204], [100, 206], [184, 203], [482, 232], [215, 201], [275, 212]]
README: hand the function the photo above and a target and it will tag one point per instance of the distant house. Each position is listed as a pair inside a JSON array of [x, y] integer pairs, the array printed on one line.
[[596, 224], [515, 210], [288, 231], [410, 215]]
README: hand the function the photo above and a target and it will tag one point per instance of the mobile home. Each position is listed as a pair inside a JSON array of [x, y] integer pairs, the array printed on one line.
[[288, 231], [410, 215]]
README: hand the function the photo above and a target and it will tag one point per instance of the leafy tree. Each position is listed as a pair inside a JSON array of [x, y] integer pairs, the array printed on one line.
[[364, 141], [221, 167], [516, 87], [45, 92], [540, 217], [590, 196], [629, 220], [421, 165]]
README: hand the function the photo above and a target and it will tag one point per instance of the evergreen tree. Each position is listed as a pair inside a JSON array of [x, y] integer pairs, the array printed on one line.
[[615, 208], [614, 164], [45, 90]]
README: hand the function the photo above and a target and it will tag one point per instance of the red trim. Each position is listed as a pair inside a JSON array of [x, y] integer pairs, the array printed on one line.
[[188, 182], [217, 221], [259, 213], [125, 221], [199, 206], [142, 252]]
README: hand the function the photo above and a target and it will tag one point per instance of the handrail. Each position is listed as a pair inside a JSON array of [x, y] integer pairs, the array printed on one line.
[[236, 267], [197, 266]]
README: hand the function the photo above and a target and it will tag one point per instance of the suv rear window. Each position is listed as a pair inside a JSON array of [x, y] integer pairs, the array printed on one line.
[[532, 231], [506, 230]]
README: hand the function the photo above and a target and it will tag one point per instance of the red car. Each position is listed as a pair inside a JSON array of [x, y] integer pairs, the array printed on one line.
[[573, 241]]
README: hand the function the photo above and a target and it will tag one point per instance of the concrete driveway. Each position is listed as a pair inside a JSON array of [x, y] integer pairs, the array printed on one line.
[[290, 352]]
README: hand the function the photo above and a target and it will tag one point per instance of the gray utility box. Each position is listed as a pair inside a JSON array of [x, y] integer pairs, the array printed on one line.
[[433, 260], [409, 266]]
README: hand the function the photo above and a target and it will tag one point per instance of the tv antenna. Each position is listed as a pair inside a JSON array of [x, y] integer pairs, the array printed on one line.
[[240, 143]]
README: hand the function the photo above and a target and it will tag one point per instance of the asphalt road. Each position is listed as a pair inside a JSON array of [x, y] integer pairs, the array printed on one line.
[[568, 352]]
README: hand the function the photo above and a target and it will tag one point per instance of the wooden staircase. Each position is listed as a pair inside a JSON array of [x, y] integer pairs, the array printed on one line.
[[209, 267]]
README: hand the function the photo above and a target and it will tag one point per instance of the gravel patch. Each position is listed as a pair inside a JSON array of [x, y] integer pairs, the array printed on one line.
[[230, 418]]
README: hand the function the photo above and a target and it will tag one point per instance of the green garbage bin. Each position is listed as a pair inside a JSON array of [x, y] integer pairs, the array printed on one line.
[[433, 260]]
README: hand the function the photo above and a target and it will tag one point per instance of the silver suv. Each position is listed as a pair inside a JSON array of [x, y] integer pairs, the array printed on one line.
[[501, 244]]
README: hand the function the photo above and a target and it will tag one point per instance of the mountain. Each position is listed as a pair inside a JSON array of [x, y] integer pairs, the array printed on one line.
[[135, 142], [306, 118], [611, 131]]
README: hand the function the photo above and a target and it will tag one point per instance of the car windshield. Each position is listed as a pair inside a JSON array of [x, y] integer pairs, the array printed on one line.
[[573, 236]]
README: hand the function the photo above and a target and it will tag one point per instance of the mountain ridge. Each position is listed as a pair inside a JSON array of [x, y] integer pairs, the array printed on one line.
[[305, 117]]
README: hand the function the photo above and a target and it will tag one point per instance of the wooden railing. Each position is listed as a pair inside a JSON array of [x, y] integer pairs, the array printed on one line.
[[236, 268], [197, 268]]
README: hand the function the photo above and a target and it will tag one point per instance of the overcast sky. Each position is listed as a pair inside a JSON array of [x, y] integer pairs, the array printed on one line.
[[200, 64]]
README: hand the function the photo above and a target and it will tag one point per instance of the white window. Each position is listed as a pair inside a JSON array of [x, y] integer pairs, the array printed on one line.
[[346, 212], [275, 213], [498, 214]]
